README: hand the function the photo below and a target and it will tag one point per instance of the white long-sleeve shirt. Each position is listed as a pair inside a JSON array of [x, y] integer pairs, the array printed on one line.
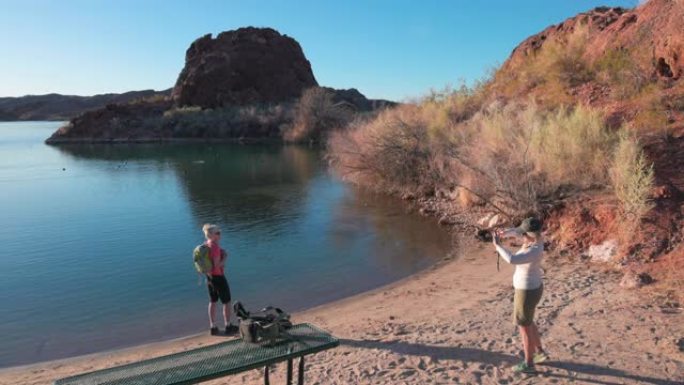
[[527, 261]]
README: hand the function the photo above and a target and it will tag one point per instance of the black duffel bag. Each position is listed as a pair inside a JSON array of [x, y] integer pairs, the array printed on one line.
[[268, 325]]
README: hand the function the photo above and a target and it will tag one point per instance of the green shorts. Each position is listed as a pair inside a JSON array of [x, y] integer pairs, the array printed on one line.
[[524, 303]]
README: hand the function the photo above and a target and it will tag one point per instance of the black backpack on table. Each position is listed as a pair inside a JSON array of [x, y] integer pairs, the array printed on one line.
[[268, 325]]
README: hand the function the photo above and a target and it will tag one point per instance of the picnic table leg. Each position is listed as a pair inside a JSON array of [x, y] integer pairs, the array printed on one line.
[[289, 371], [300, 377], [266, 379]]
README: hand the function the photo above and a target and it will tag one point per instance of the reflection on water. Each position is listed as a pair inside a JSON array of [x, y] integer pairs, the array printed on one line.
[[97, 239], [223, 182]]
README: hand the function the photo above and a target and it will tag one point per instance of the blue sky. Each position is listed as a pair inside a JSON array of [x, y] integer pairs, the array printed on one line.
[[386, 48]]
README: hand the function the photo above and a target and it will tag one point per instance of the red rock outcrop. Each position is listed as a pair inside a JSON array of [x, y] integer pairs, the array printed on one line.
[[647, 42], [652, 32], [628, 63], [244, 66]]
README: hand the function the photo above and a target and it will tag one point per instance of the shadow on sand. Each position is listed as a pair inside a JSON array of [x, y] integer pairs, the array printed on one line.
[[575, 370], [435, 352]]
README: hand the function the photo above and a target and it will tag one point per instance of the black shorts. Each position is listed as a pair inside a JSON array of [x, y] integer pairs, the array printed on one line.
[[218, 289]]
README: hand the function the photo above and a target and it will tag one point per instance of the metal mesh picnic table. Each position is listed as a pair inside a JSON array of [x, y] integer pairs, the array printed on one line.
[[213, 361]]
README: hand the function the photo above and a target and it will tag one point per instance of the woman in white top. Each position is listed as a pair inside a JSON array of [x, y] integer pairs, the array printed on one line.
[[528, 285]]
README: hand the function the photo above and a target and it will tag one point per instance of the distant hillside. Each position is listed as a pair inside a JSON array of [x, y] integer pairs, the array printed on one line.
[[64, 107]]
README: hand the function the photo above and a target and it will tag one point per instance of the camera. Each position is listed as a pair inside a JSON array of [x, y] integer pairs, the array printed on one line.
[[484, 235]]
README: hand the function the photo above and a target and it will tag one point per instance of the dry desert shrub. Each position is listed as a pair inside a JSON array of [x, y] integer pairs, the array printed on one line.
[[632, 178], [523, 154], [316, 114], [409, 148], [557, 67], [652, 112], [391, 152], [508, 156], [617, 69], [572, 146]]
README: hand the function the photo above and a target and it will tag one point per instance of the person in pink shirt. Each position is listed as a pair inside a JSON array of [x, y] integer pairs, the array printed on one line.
[[217, 284]]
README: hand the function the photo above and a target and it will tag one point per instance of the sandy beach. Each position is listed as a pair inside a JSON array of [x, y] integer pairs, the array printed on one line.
[[452, 324]]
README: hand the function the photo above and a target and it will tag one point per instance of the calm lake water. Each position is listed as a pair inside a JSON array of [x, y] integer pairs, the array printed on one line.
[[96, 240]]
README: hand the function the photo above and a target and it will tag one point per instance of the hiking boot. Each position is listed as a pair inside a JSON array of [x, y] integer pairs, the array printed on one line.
[[540, 357], [213, 331], [523, 367], [231, 329]]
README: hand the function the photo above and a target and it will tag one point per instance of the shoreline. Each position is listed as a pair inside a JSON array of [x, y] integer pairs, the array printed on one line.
[[68, 141], [181, 339], [451, 323], [201, 339]]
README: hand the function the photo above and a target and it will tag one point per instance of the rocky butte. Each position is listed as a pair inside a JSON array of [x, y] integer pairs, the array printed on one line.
[[243, 84], [241, 67]]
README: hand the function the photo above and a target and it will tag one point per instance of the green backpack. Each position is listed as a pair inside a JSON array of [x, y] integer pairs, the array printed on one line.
[[202, 260]]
